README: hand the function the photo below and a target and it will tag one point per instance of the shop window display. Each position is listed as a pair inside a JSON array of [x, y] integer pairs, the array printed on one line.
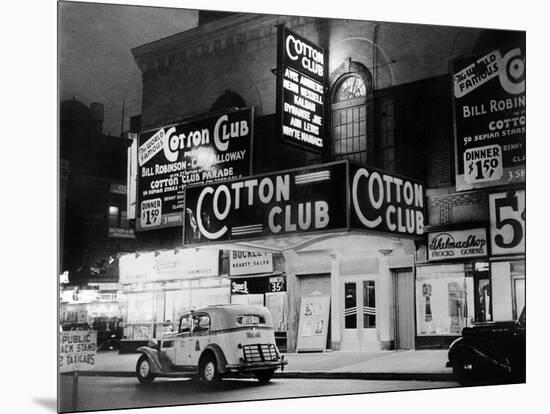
[[517, 271], [444, 300]]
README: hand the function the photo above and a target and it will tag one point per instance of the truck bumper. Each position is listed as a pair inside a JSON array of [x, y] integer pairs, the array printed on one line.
[[244, 367]]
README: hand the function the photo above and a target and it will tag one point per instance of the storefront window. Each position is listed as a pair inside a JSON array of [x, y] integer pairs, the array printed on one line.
[[517, 270], [482, 292], [444, 300], [140, 307]]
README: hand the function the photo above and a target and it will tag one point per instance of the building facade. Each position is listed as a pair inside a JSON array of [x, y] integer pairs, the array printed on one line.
[[388, 103], [94, 228]]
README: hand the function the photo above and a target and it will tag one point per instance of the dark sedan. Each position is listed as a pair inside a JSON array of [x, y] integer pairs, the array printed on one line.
[[491, 352]]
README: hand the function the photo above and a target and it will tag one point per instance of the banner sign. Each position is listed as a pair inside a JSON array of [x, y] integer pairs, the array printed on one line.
[[313, 199], [211, 149], [385, 202], [77, 350], [300, 91], [489, 109], [457, 244], [247, 263], [303, 200], [168, 265], [507, 222]]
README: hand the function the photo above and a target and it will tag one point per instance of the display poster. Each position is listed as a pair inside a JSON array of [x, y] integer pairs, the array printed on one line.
[[313, 323], [444, 301], [300, 91], [490, 118], [507, 222], [77, 350], [457, 244], [386, 202], [168, 265], [305, 200], [249, 262], [211, 149]]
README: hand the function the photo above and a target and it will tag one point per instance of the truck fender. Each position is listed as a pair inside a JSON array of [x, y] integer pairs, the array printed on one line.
[[153, 357], [221, 361]]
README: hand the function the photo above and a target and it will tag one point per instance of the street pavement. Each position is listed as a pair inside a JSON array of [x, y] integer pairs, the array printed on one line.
[[97, 393], [388, 365]]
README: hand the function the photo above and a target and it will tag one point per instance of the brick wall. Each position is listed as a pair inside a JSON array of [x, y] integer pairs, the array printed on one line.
[[457, 208]]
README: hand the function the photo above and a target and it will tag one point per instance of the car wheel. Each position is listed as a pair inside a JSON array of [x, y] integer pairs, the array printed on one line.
[[264, 376], [209, 370], [143, 370], [463, 371]]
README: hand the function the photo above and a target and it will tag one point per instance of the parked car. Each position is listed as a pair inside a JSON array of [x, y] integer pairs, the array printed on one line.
[[490, 351], [215, 342]]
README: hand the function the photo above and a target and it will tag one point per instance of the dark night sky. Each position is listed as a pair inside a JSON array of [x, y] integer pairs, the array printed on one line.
[[95, 62]]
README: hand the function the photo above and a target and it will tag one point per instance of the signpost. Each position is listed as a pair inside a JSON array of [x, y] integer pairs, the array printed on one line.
[[77, 352], [300, 91]]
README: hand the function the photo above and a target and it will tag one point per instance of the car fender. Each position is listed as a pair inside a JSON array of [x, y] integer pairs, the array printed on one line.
[[221, 361], [153, 356]]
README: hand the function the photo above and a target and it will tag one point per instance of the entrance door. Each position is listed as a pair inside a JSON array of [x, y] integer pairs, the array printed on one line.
[[404, 309], [359, 314]]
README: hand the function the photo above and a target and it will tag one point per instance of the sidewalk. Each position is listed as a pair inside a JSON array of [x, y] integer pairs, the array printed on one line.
[[426, 365]]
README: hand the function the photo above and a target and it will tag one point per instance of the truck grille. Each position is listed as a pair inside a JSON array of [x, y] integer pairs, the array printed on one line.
[[260, 353]]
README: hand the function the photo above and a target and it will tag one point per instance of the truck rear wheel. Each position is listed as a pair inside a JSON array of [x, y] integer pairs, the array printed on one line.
[[208, 370]]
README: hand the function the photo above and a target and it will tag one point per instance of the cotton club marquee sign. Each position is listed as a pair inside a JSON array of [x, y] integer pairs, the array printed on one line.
[[325, 198]]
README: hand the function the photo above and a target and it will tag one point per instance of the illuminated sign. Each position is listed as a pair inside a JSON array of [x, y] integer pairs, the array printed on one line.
[[386, 202], [211, 149], [329, 197], [300, 91], [490, 118]]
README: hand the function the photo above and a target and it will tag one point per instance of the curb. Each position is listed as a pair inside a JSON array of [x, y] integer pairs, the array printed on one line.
[[379, 376]]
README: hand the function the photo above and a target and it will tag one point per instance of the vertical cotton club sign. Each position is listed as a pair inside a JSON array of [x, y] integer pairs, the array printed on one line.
[[300, 91]]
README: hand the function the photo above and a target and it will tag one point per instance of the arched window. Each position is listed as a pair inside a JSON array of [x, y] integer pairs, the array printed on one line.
[[227, 100], [350, 113]]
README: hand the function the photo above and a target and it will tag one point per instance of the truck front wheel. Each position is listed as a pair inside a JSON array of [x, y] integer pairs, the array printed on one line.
[[143, 370]]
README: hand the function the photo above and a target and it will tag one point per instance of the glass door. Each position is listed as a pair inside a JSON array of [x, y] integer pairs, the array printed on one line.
[[359, 315]]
